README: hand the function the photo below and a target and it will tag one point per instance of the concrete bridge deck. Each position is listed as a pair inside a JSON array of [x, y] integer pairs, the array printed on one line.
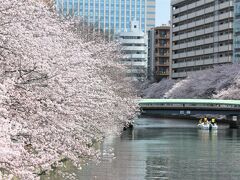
[[189, 102], [191, 107]]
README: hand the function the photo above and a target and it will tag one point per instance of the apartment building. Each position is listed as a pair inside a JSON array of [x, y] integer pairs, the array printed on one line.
[[236, 31], [201, 35], [134, 48], [159, 53], [111, 16]]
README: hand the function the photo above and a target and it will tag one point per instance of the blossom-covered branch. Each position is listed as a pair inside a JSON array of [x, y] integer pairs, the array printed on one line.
[[58, 91], [220, 82]]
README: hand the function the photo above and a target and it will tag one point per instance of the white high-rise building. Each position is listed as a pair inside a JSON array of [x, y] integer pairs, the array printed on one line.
[[134, 47], [202, 35]]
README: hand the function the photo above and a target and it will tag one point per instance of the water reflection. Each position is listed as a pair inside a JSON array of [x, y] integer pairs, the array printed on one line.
[[168, 150], [206, 136]]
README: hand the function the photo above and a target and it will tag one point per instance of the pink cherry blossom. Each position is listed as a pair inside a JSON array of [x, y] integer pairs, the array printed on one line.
[[62, 88], [220, 82]]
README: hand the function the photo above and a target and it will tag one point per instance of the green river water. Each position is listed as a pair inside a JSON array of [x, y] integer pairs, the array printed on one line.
[[168, 149]]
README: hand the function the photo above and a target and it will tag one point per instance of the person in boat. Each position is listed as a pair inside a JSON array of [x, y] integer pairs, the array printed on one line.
[[205, 120], [213, 121], [200, 121]]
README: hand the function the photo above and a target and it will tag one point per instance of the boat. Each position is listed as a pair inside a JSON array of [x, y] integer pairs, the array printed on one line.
[[203, 126], [207, 126], [213, 126]]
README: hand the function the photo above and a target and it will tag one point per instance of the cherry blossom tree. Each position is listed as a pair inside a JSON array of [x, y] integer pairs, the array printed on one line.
[[59, 92], [205, 84], [232, 91], [219, 82], [158, 90]]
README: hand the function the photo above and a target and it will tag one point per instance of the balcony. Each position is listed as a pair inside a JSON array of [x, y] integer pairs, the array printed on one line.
[[226, 26], [191, 15], [208, 51], [137, 71], [135, 56], [182, 27], [179, 75], [200, 22], [191, 53], [225, 5], [176, 38], [176, 11], [183, 36], [192, 34], [162, 46], [192, 24], [209, 20], [191, 44], [134, 48], [200, 12], [209, 9], [133, 41], [200, 32], [225, 48], [183, 46], [183, 55], [183, 18], [183, 8], [225, 15], [190, 63], [174, 47], [225, 37], [200, 42], [139, 56], [162, 64], [199, 52], [179, 65], [199, 63], [162, 55], [227, 59], [176, 1], [191, 6], [196, 23], [208, 61], [209, 30], [200, 3], [208, 40], [132, 64], [175, 29], [162, 37], [176, 20], [175, 56], [162, 73]]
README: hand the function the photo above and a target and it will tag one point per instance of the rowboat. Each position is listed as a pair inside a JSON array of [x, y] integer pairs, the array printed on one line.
[[208, 126]]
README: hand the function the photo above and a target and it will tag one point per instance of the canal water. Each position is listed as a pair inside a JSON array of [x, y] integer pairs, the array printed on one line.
[[167, 149]]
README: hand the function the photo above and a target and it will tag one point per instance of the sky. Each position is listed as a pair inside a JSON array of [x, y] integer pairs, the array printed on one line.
[[162, 12]]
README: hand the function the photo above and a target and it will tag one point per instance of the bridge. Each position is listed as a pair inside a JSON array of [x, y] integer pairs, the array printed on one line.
[[190, 107]]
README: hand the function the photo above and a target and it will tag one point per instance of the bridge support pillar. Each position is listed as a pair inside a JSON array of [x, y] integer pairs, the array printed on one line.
[[234, 121]]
